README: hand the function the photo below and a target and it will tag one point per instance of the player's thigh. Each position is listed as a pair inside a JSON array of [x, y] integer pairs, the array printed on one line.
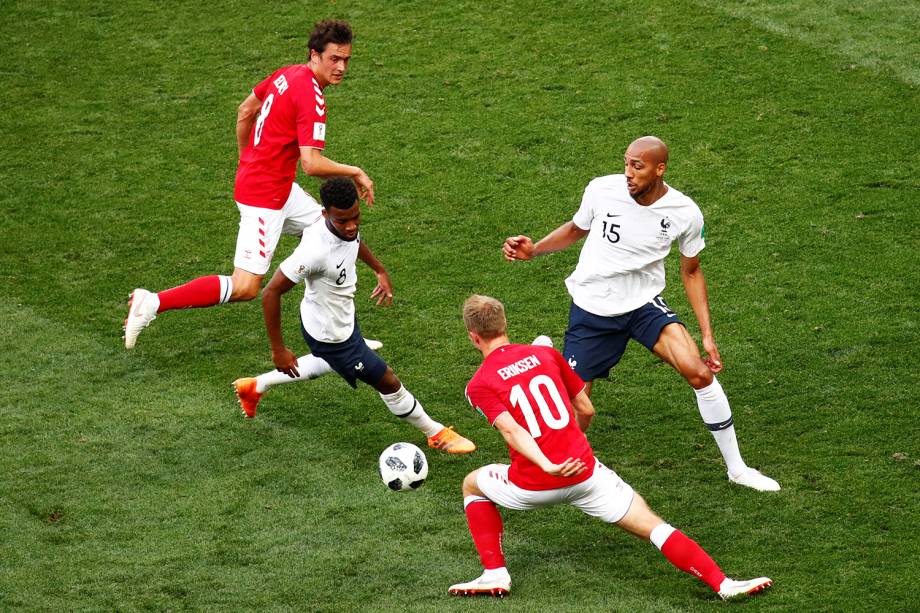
[[352, 359], [300, 210], [639, 520], [494, 484], [604, 495], [593, 344], [648, 322], [258, 236], [676, 347]]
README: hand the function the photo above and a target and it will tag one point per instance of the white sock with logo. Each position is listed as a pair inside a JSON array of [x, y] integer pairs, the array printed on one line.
[[404, 406], [309, 366], [717, 415]]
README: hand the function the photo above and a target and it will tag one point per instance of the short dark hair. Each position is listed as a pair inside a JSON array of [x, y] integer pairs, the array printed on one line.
[[338, 193], [329, 31]]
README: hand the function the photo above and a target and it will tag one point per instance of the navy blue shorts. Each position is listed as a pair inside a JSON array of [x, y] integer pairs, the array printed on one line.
[[594, 344], [352, 358]]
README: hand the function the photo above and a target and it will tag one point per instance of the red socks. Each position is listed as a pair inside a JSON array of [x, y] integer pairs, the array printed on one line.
[[200, 292], [485, 524], [686, 555]]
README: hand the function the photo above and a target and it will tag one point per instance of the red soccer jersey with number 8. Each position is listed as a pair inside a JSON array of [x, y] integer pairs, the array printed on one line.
[[293, 115], [535, 385]]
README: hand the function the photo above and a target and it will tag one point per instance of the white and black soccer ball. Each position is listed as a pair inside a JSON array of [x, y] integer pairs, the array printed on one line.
[[403, 467]]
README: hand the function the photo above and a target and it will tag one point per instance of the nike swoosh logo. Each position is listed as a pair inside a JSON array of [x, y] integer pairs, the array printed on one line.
[[612, 215], [339, 265]]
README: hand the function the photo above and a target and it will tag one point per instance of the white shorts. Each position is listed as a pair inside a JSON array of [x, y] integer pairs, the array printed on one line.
[[261, 229], [603, 495]]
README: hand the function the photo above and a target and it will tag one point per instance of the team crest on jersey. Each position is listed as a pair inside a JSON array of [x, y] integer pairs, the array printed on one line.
[[664, 235]]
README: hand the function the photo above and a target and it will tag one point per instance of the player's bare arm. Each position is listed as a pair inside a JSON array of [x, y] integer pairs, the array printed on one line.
[[315, 164], [584, 409], [691, 273], [521, 441], [523, 248], [384, 290], [246, 116], [283, 358]]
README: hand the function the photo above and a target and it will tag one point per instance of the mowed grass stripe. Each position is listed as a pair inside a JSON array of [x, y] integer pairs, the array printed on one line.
[[879, 35], [476, 124]]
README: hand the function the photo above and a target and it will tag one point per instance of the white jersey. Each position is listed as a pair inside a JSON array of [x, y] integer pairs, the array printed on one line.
[[326, 265], [621, 266]]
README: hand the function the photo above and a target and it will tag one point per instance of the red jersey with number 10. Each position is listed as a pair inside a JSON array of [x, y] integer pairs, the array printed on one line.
[[535, 385], [293, 115]]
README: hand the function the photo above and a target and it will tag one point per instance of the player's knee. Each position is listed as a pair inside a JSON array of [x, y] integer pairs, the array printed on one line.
[[470, 488], [699, 376], [389, 383]]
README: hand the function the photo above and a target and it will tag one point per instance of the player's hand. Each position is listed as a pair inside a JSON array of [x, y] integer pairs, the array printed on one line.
[[712, 359], [384, 290], [517, 248], [365, 188], [569, 468], [285, 361]]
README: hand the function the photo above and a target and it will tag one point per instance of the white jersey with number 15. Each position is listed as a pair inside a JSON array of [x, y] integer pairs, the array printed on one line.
[[621, 266]]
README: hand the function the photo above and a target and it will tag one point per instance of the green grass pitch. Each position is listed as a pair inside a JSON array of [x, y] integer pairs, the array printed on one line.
[[129, 481]]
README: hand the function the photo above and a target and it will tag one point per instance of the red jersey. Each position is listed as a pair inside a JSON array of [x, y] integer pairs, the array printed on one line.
[[535, 385], [293, 115]]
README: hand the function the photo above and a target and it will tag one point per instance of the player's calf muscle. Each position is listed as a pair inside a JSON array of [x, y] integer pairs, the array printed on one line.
[[245, 286]]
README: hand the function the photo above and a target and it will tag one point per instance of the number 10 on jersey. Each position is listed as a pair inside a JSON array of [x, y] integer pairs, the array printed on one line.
[[540, 387]]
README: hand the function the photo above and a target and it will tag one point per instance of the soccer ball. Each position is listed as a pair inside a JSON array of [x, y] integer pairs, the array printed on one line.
[[403, 467]]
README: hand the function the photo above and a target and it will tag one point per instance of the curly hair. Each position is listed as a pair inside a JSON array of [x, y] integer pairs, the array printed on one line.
[[329, 31], [338, 193]]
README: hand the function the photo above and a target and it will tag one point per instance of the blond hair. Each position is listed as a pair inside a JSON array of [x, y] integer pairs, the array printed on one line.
[[485, 316]]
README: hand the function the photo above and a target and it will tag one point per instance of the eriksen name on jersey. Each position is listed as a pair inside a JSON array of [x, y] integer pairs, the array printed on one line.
[[521, 366]]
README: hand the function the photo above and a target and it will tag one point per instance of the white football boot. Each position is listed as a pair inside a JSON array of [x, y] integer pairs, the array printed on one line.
[[732, 589], [753, 478], [543, 341], [142, 309], [499, 587]]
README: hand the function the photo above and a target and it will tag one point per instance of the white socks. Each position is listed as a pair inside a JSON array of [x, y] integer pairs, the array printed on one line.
[[404, 406], [401, 403], [717, 415], [660, 534], [226, 289], [309, 366], [468, 500]]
